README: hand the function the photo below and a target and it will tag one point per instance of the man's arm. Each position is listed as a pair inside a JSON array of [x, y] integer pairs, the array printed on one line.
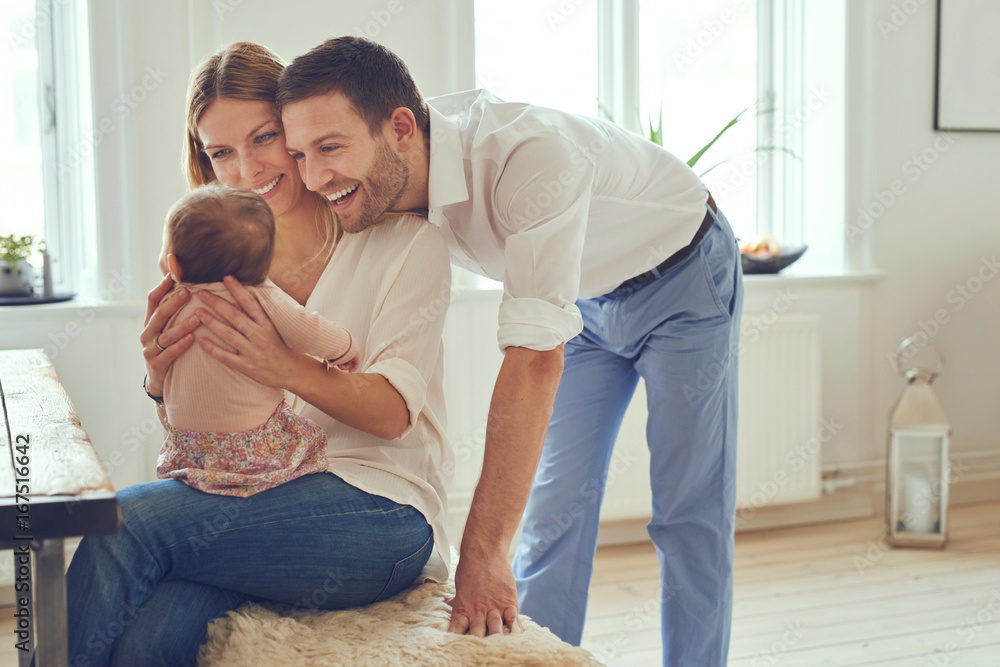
[[486, 596]]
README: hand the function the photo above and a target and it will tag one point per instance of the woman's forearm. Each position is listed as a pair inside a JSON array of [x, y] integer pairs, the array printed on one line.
[[365, 401]]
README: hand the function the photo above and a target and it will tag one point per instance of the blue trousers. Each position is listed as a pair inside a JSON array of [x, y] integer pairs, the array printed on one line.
[[680, 333], [182, 557]]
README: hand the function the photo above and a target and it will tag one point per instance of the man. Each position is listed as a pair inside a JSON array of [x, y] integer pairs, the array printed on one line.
[[616, 264]]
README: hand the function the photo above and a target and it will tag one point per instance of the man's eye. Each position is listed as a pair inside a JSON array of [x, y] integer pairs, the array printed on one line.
[[329, 149], [297, 156]]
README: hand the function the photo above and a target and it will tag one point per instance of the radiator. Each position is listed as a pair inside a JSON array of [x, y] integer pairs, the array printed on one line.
[[780, 432], [778, 453]]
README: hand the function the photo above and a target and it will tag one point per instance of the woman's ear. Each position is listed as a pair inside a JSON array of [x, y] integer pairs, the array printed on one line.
[[174, 267]]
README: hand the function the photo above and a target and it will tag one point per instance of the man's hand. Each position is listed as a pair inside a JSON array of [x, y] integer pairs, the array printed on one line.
[[485, 597]]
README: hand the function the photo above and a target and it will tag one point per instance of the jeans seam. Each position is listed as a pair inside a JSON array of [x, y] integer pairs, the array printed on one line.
[[272, 523], [400, 564]]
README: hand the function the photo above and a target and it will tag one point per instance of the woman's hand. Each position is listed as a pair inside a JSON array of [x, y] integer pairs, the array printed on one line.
[[161, 347], [260, 353]]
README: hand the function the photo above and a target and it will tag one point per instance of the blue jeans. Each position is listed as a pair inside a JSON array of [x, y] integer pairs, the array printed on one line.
[[181, 557], [680, 333]]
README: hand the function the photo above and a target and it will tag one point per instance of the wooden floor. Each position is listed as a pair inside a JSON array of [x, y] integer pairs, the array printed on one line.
[[820, 595], [833, 594]]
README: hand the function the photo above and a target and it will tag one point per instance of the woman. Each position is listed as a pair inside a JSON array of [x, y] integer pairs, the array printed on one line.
[[323, 541]]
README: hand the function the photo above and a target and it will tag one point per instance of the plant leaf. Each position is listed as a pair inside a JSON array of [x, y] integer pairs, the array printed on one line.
[[755, 150]]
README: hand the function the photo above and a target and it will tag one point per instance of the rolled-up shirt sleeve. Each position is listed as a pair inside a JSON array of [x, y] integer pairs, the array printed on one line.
[[542, 198]]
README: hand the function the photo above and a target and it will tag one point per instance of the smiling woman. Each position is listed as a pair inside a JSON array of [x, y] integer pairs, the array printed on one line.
[[375, 516]]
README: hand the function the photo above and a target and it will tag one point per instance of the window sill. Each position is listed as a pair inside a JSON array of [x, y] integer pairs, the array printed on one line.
[[73, 307], [791, 277]]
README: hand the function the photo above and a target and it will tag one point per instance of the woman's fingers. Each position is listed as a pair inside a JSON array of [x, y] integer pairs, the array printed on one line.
[[162, 311], [248, 302], [156, 295]]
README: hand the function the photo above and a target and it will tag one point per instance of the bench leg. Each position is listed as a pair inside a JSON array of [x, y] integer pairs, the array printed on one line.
[[50, 582]]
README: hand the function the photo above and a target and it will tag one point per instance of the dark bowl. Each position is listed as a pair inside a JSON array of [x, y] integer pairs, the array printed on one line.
[[773, 264]]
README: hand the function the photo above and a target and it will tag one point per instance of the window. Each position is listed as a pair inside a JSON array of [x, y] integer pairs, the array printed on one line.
[[46, 180], [20, 132], [701, 62]]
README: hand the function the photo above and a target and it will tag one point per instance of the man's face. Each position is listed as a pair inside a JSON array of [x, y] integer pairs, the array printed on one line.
[[361, 176]]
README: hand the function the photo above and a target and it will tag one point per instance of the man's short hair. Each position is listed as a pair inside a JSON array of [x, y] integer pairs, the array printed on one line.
[[374, 79]]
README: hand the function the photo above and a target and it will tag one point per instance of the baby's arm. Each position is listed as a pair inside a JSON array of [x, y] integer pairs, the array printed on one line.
[[308, 332]]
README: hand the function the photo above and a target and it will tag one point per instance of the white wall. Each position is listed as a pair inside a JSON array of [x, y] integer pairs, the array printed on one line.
[[927, 241], [935, 235]]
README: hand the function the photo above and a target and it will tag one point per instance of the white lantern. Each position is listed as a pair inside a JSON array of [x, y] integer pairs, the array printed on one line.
[[917, 462]]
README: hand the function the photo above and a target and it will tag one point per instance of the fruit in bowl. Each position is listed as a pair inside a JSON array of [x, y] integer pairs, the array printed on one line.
[[762, 245], [763, 254]]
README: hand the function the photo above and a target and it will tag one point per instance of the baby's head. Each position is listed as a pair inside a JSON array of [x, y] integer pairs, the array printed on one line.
[[216, 231]]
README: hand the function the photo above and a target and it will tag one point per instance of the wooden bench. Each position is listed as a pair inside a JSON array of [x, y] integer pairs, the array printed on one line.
[[52, 486]]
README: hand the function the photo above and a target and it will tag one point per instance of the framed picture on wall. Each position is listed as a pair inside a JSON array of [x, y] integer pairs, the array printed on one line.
[[967, 71]]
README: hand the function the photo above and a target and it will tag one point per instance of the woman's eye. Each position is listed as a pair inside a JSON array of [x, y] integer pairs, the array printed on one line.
[[265, 137], [215, 155]]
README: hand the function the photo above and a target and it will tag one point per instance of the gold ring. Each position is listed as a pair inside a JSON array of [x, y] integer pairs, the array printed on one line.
[[157, 342]]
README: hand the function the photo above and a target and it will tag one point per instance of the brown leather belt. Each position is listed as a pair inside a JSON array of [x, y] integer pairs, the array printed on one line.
[[678, 256]]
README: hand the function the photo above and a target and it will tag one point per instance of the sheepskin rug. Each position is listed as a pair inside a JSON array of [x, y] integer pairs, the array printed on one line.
[[408, 629]]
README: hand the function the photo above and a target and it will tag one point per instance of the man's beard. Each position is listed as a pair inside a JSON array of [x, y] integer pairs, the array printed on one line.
[[382, 187]]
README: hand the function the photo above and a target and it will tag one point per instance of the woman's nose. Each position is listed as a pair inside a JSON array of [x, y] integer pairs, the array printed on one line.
[[250, 168]]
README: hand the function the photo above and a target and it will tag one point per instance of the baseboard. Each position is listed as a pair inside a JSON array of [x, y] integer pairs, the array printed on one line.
[[851, 492]]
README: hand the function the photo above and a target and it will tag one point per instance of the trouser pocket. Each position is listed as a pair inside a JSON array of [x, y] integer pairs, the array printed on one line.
[[406, 570]]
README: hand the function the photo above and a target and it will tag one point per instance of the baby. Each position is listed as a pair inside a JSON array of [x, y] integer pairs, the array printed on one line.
[[228, 434]]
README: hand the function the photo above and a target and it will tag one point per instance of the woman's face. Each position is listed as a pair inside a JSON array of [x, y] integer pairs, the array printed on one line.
[[246, 144]]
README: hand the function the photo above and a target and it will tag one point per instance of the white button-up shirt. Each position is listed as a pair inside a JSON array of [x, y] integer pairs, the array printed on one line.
[[557, 206]]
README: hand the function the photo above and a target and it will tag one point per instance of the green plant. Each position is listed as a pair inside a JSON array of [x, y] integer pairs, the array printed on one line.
[[655, 135], [693, 160], [15, 248]]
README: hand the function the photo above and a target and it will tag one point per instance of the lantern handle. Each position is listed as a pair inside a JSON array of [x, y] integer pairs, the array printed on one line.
[[911, 373]]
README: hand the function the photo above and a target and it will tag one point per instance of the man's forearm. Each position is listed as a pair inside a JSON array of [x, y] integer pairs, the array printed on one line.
[[515, 431]]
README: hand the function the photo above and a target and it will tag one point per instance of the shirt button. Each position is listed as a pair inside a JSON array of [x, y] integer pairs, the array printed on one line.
[[469, 262]]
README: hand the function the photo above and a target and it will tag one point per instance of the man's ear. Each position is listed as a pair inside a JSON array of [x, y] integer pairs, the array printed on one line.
[[403, 127], [174, 267]]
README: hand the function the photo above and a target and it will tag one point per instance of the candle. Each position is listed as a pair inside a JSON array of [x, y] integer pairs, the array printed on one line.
[[919, 504]]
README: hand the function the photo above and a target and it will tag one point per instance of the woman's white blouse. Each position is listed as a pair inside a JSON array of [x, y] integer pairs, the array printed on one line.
[[390, 286]]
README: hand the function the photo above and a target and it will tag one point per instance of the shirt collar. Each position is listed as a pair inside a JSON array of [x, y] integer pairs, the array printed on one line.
[[446, 175]]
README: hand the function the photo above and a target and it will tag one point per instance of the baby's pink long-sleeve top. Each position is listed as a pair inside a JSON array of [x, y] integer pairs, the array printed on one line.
[[203, 394]]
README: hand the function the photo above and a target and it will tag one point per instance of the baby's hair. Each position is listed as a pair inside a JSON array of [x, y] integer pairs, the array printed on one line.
[[217, 231]]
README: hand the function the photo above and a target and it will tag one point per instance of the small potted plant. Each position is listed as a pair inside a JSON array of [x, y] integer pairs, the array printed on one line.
[[17, 276]]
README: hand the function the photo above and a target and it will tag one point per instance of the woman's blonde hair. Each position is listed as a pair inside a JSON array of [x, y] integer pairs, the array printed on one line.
[[240, 71]]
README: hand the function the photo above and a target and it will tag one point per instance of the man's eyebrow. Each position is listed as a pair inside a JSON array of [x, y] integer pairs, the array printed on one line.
[[250, 133]]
